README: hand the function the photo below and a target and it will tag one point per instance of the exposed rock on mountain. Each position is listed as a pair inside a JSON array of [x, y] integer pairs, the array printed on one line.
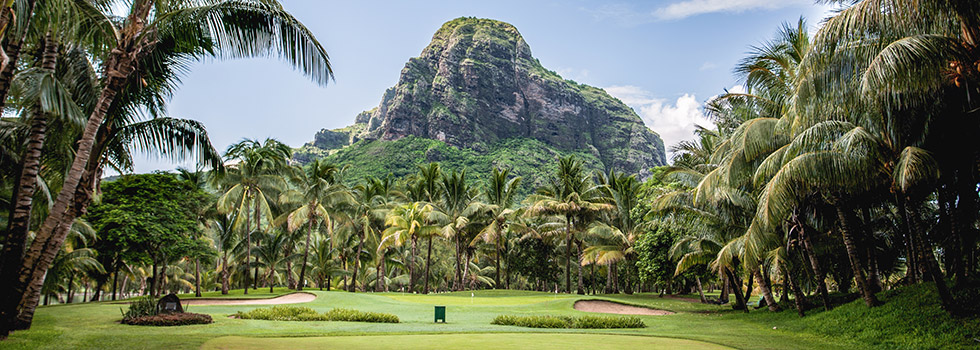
[[477, 85]]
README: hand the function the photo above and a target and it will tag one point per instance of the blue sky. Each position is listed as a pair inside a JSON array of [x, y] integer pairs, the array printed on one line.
[[663, 58]]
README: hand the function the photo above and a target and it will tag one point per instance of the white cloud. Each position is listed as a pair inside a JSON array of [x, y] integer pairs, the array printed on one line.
[[708, 66], [675, 121], [688, 8]]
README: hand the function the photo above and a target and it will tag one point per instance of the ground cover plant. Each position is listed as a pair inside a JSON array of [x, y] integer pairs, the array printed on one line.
[[581, 322], [143, 312], [299, 313]]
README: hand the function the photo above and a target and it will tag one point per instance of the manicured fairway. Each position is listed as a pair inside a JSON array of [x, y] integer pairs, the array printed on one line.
[[894, 325], [461, 341]]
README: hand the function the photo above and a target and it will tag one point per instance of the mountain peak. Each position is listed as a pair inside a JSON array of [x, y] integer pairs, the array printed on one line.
[[477, 85]]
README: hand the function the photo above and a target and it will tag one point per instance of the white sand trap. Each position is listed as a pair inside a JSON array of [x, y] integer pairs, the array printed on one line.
[[617, 308], [292, 298]]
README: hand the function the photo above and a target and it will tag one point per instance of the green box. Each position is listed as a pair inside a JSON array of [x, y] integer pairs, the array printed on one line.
[[440, 314]]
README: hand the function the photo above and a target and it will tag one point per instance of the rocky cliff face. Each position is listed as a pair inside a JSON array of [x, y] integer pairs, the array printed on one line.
[[476, 84]]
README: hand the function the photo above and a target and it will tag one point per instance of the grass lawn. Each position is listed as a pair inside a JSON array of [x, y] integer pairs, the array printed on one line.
[[909, 319], [461, 341]]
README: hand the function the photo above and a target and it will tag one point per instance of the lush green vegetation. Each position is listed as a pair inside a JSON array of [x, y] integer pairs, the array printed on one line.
[[842, 186], [580, 322], [910, 318], [297, 313]]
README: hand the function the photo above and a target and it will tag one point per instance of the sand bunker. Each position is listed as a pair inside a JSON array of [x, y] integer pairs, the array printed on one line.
[[616, 308], [293, 298]]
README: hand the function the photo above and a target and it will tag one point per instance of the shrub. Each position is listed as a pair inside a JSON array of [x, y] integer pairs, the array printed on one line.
[[141, 307], [298, 313], [176, 319], [349, 315], [282, 313], [548, 321], [607, 322]]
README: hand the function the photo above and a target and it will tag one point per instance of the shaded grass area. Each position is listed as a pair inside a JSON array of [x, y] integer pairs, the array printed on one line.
[[910, 319], [462, 341]]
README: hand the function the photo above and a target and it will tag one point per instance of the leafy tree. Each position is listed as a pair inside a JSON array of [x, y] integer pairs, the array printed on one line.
[[149, 218]]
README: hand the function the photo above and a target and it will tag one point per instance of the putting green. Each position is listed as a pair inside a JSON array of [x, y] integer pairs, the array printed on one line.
[[459, 341]]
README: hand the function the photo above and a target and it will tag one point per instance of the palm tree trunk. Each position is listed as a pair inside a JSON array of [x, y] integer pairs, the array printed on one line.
[[258, 227], [225, 274], [71, 289], [798, 297], [357, 260], [507, 265], [818, 275], [766, 290], [48, 241], [248, 235], [723, 298], [568, 254], [428, 259], [496, 271], [928, 260], [23, 199], [458, 273], [748, 290], [850, 244], [580, 286], [411, 265], [700, 290], [306, 255], [736, 286]]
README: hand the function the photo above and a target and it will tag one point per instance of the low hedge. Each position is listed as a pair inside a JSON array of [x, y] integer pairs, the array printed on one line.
[[299, 313], [580, 322], [177, 319]]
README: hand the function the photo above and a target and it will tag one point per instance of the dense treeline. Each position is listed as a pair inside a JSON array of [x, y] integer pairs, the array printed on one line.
[[847, 167]]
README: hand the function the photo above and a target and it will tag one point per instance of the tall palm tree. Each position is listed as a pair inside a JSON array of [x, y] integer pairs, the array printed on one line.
[[251, 184], [573, 196], [499, 193], [372, 200], [457, 203], [231, 31], [409, 223], [318, 192]]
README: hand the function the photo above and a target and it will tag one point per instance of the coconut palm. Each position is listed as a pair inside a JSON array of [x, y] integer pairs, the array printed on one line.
[[251, 184], [221, 29], [317, 192], [499, 193], [409, 223], [574, 197]]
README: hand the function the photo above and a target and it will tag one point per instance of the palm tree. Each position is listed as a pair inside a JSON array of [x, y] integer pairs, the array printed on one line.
[[230, 30], [574, 197], [372, 200], [499, 193], [221, 230], [271, 255], [455, 207], [251, 184], [409, 223], [317, 191]]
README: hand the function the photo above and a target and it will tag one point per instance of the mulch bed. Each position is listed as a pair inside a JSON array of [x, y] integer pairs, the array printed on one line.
[[176, 319]]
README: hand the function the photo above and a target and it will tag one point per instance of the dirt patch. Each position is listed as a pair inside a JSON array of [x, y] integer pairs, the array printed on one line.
[[608, 307], [293, 298]]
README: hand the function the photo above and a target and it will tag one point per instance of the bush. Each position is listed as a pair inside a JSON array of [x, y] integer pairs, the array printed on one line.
[[349, 315], [568, 321], [141, 307], [298, 313], [607, 322], [177, 319]]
